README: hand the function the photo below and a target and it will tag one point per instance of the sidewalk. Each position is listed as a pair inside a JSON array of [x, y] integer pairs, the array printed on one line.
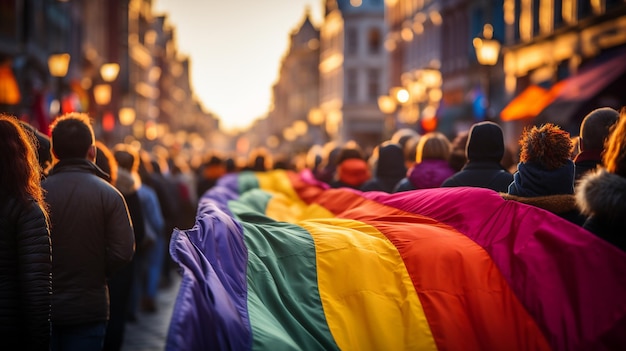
[[149, 332]]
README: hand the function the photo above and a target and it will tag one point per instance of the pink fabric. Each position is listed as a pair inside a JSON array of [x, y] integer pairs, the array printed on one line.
[[565, 276]]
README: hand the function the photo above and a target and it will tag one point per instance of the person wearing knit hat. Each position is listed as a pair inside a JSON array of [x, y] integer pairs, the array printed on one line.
[[484, 150], [352, 168], [545, 173], [389, 169], [594, 130]]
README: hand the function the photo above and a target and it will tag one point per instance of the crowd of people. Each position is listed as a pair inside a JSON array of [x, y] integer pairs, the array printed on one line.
[[85, 227]]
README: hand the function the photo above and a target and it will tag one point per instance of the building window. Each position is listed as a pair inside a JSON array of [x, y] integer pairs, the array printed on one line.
[[352, 41], [373, 84], [351, 85], [374, 41]]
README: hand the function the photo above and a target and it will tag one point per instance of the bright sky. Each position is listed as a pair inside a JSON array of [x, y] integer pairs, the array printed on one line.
[[235, 49]]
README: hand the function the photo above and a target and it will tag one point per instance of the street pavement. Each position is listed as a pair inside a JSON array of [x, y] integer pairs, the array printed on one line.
[[149, 332]]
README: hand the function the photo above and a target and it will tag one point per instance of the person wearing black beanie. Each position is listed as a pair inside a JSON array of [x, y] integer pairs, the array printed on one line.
[[484, 150]]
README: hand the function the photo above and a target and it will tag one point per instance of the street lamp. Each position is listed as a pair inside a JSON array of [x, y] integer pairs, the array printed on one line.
[[487, 53], [58, 65], [109, 71], [388, 105], [102, 94]]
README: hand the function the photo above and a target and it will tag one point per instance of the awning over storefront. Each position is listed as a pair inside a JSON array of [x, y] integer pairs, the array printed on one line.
[[593, 87], [529, 103]]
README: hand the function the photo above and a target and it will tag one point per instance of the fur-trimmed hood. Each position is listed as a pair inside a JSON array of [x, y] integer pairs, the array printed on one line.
[[602, 194]]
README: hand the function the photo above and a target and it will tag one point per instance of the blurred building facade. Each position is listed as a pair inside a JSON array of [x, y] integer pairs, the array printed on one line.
[[353, 70], [149, 99], [296, 91], [574, 50]]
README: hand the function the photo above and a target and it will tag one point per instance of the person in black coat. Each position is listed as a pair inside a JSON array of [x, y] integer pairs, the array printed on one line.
[[389, 170], [601, 194], [484, 150], [92, 235], [25, 249]]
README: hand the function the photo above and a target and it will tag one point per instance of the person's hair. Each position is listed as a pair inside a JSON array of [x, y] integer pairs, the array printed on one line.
[[349, 152], [72, 135], [127, 157], [548, 145], [458, 156], [20, 173], [433, 146], [595, 128], [106, 161], [260, 160], [615, 151]]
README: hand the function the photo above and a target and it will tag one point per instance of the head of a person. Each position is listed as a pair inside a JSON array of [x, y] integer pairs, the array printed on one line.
[[42, 146], [485, 142], [73, 137], [350, 152], [614, 158], [19, 168], [595, 128], [106, 161], [260, 160], [547, 145], [458, 155], [433, 146], [401, 136], [127, 157]]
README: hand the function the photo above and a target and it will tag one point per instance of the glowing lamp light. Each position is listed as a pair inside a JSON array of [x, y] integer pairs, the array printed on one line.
[[300, 127], [108, 122], [127, 116], [487, 48], [58, 64], [102, 94], [402, 96], [315, 117], [109, 71], [386, 104]]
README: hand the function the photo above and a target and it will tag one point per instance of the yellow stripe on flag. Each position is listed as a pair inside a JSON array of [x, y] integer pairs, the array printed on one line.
[[358, 272]]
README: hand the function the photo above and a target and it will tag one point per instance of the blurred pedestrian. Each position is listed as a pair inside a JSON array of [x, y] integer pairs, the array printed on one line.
[[42, 146], [352, 168], [601, 194], [120, 284], [545, 173], [484, 151], [209, 173], [150, 257], [594, 131], [25, 277], [431, 166], [458, 155], [91, 233], [389, 168], [328, 166]]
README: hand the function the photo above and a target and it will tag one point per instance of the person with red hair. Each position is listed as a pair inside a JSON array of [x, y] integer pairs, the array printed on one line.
[[25, 248], [545, 173]]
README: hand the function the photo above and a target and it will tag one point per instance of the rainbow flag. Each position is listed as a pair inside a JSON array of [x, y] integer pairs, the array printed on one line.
[[277, 261]]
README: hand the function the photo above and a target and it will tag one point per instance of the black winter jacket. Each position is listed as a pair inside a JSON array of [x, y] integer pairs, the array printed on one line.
[[25, 276], [482, 174], [92, 238]]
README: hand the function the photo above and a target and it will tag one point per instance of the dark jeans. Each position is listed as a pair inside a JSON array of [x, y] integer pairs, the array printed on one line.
[[85, 337]]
